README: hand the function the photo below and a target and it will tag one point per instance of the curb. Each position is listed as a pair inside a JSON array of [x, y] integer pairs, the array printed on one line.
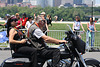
[[4, 48]]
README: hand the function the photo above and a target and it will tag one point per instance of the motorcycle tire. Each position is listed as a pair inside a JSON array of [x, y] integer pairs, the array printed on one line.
[[89, 63], [92, 62]]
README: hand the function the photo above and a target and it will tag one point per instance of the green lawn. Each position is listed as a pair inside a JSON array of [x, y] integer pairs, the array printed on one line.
[[58, 26], [61, 26]]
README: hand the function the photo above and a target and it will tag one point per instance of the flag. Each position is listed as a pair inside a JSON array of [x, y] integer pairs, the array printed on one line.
[[3, 37]]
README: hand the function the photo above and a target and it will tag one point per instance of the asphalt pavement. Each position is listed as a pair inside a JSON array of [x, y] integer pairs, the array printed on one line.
[[4, 54]]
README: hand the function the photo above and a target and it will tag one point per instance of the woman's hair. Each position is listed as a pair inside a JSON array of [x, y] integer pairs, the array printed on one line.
[[24, 14], [9, 24], [11, 20], [48, 15], [77, 17]]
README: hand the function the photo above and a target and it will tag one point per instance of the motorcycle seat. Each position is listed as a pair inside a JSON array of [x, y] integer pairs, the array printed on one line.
[[18, 55]]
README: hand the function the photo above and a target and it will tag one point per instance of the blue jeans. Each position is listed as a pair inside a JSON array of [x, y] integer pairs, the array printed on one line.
[[88, 38]]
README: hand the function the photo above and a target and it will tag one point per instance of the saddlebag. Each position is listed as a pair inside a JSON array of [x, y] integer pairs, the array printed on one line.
[[16, 62]]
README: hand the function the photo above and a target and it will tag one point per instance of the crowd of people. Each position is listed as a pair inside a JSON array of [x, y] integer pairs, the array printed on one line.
[[25, 21], [91, 29]]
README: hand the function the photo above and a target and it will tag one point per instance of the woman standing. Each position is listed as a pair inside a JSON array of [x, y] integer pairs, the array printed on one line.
[[90, 32], [76, 26], [45, 28], [24, 20], [29, 22], [19, 21]]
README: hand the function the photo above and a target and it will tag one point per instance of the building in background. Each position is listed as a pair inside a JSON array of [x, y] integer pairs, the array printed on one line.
[[57, 3], [3, 1], [11, 1], [33, 2], [19, 1], [26, 1], [66, 1], [50, 3], [89, 2], [40, 3], [77, 2]]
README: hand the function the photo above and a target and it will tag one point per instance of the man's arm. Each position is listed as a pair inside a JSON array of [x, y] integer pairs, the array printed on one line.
[[52, 40], [39, 34]]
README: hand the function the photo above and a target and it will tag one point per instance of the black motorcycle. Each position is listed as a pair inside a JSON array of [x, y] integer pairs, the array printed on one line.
[[71, 53]]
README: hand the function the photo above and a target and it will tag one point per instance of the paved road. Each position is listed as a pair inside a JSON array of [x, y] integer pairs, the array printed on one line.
[[6, 53]]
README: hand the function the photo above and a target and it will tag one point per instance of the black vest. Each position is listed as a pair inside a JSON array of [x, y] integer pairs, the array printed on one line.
[[37, 43]]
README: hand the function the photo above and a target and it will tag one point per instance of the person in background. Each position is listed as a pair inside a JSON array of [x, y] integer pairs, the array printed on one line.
[[18, 42], [5, 24], [17, 15], [76, 26], [43, 14], [19, 21], [61, 19], [45, 28], [34, 17], [24, 20], [56, 18], [90, 32], [50, 20], [29, 22]]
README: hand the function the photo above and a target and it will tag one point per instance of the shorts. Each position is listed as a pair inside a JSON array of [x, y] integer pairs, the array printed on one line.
[[77, 32]]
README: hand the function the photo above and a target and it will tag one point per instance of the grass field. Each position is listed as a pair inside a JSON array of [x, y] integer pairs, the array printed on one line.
[[62, 26]]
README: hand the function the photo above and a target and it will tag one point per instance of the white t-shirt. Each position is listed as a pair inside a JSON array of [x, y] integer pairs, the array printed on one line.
[[77, 25], [28, 24], [38, 33]]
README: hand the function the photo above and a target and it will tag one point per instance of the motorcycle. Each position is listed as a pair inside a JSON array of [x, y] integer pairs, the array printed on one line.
[[71, 55]]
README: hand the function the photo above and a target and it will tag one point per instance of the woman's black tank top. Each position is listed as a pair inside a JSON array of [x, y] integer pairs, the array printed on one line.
[[19, 36]]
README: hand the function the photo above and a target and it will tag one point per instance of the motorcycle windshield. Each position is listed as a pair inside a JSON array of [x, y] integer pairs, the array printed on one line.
[[68, 28]]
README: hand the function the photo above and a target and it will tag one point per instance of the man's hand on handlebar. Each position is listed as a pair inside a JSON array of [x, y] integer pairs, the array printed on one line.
[[63, 42]]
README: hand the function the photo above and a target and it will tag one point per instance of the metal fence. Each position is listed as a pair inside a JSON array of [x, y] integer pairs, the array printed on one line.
[[60, 34]]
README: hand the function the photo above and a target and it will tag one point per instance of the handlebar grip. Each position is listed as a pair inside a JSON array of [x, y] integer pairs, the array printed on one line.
[[61, 42]]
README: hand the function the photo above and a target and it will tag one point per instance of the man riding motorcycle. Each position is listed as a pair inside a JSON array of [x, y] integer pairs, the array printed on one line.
[[39, 40]]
